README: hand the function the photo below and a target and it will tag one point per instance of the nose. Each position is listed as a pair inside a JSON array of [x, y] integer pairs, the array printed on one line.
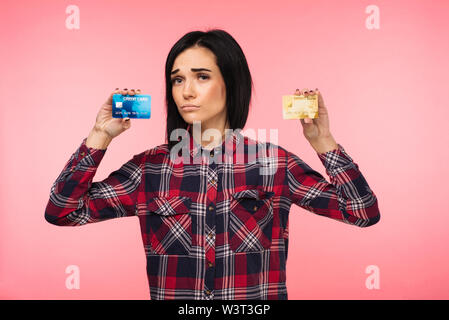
[[188, 90]]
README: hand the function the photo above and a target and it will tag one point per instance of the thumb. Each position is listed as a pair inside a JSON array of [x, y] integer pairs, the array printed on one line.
[[308, 120], [126, 123], [304, 123]]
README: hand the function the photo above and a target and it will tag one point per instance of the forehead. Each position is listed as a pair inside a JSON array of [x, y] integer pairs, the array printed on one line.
[[197, 57]]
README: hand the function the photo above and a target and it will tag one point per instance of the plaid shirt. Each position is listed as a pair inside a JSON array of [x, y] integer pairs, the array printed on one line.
[[211, 229]]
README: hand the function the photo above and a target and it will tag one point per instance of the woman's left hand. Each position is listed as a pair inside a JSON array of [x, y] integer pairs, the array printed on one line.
[[317, 130], [318, 127]]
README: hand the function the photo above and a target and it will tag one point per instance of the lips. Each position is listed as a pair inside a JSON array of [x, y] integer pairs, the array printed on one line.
[[189, 107]]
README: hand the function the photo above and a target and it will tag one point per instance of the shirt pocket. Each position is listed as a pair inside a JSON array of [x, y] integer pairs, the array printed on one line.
[[169, 225], [250, 221]]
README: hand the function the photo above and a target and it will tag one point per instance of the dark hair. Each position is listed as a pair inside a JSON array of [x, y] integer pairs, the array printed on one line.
[[232, 63]]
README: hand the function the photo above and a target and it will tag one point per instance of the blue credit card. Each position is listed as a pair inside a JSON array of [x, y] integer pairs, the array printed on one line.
[[137, 106]]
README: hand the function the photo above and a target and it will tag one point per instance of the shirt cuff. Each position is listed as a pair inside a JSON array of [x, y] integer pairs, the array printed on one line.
[[335, 159], [94, 154]]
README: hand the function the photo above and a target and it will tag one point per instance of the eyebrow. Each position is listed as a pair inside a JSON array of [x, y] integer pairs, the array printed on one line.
[[193, 69]]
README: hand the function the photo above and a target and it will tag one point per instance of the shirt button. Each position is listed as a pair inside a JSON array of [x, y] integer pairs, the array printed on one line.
[[211, 208], [210, 235], [255, 208], [209, 264], [82, 153], [208, 292], [212, 153]]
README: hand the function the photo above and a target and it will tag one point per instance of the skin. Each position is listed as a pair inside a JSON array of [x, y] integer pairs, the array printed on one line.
[[317, 131], [206, 89], [106, 127]]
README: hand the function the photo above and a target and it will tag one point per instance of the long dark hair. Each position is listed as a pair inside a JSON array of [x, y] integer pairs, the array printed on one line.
[[235, 71]]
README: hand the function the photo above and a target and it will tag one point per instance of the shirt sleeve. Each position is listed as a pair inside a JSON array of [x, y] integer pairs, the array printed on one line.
[[76, 200], [347, 198]]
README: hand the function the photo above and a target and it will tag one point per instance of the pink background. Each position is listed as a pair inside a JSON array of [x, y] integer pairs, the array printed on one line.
[[386, 91]]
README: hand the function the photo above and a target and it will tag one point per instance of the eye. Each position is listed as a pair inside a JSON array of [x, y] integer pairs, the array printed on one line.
[[201, 75], [204, 76]]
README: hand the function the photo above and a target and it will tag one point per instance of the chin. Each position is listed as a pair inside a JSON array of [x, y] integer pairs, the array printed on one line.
[[189, 119]]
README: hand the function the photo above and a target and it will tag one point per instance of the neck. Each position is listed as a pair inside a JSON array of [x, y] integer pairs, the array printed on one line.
[[210, 137]]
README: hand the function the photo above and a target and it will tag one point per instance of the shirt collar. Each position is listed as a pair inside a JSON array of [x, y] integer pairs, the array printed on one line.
[[230, 143]]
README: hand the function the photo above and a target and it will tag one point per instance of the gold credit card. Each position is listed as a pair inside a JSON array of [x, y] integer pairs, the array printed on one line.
[[300, 106]]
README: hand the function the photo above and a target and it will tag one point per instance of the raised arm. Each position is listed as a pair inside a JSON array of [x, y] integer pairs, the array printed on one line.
[[347, 198], [74, 198]]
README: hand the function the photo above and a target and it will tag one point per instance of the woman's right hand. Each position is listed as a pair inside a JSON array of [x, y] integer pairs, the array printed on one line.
[[105, 123], [106, 127]]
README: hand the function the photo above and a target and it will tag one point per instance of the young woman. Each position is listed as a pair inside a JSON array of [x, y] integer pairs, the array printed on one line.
[[216, 228]]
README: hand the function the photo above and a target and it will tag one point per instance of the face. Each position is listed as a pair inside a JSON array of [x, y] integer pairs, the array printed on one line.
[[197, 80]]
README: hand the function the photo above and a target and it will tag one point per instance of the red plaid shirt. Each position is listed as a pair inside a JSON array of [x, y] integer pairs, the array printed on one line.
[[213, 229]]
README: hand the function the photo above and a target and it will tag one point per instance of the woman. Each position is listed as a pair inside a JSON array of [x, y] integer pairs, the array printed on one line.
[[215, 228]]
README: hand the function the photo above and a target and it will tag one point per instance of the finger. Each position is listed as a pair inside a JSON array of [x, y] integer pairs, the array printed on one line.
[[116, 91], [321, 104], [304, 91], [306, 121], [126, 123], [124, 91], [109, 99], [297, 92], [138, 91], [132, 92]]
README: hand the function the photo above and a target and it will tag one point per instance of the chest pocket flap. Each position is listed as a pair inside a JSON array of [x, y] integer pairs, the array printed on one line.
[[250, 220], [169, 206], [168, 224]]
